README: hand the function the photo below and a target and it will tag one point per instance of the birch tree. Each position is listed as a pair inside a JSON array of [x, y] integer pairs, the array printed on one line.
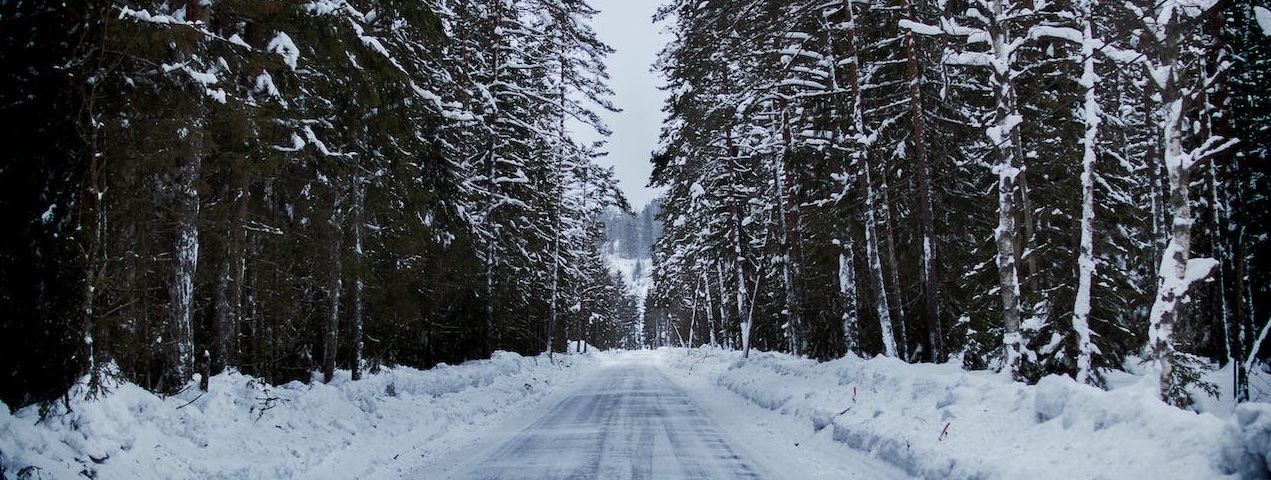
[[1177, 271], [1001, 42]]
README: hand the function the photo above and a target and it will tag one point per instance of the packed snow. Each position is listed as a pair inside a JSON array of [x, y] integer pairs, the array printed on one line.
[[786, 416], [628, 421]]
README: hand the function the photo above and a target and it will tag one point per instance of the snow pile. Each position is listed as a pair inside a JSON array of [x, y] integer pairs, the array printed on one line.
[[1253, 430], [574, 347], [243, 428], [939, 421]]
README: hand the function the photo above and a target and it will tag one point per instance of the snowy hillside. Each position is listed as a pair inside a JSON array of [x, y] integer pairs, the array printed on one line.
[[629, 243], [634, 273]]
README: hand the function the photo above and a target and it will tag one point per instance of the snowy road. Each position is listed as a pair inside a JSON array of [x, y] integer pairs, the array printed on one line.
[[629, 421]]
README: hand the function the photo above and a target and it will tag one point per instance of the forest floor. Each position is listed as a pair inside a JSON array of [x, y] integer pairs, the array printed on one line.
[[670, 413]]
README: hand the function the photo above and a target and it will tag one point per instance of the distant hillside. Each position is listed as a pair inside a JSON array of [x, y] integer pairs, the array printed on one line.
[[632, 236], [629, 246]]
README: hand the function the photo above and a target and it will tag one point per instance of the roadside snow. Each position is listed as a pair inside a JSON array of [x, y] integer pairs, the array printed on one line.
[[244, 429], [780, 444], [939, 421], [848, 418]]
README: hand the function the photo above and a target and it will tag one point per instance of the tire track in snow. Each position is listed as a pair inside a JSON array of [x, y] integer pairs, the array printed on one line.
[[628, 422]]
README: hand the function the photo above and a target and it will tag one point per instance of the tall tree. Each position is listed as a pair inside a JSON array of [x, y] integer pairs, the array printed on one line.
[[1166, 23]]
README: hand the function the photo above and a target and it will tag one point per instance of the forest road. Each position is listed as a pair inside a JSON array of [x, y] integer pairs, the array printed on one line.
[[627, 422]]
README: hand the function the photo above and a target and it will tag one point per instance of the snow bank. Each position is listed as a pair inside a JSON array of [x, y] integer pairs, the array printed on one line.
[[243, 428], [939, 421], [1252, 444]]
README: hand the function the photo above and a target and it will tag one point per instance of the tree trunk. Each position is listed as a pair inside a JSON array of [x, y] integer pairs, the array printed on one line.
[[492, 334], [739, 268], [221, 307], [930, 275], [847, 295], [892, 267], [554, 287], [229, 301], [1003, 134], [94, 219], [692, 316], [185, 262], [858, 157], [710, 316], [334, 292], [557, 214], [1086, 257], [1177, 271], [1040, 308], [720, 277], [875, 265], [1244, 310], [491, 337], [788, 226], [355, 323]]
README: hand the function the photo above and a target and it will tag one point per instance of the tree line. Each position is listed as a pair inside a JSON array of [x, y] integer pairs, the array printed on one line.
[[1043, 187], [289, 187]]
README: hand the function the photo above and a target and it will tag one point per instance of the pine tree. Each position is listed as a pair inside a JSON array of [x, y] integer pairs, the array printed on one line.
[[47, 339], [1249, 217]]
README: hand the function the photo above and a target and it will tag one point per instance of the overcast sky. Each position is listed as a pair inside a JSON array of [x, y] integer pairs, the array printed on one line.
[[627, 26]]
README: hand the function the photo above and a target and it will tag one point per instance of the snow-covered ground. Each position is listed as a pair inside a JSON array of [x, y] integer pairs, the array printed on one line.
[[243, 429], [805, 419], [939, 421]]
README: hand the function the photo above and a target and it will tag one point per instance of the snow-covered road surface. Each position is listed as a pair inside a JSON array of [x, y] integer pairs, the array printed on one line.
[[638, 418], [628, 421]]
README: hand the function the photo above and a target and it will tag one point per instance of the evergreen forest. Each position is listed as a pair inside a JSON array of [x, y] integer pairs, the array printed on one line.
[[1034, 187], [288, 188]]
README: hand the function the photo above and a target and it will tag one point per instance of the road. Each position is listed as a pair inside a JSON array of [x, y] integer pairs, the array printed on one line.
[[628, 422]]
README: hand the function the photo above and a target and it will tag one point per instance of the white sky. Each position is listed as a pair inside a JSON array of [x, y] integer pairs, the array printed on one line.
[[627, 26]]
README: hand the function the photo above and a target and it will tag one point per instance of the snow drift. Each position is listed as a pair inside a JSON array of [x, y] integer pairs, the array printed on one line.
[[939, 421], [243, 428]]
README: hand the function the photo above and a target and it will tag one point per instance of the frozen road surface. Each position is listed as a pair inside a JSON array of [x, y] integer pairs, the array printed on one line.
[[641, 418], [629, 421]]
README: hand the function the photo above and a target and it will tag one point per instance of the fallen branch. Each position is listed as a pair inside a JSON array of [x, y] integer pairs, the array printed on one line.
[[192, 401]]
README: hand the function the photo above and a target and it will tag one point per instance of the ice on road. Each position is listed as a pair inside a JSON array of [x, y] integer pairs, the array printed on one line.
[[628, 422]]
